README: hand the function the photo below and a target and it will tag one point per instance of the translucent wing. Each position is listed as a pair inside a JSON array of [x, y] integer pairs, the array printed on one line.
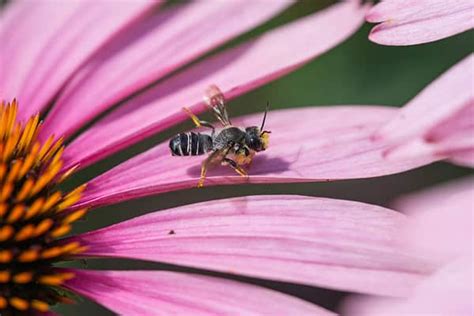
[[214, 98]]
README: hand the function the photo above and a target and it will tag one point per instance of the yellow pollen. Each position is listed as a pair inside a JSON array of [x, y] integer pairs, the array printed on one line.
[[55, 279], [35, 208], [6, 232], [28, 255], [4, 276], [3, 302], [16, 213], [23, 277], [25, 233], [19, 303], [61, 230], [51, 252], [3, 209], [33, 214], [74, 216], [5, 256], [71, 246], [25, 190], [40, 305], [43, 226]]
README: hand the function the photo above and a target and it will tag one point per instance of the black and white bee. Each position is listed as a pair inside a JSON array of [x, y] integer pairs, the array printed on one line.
[[232, 146]]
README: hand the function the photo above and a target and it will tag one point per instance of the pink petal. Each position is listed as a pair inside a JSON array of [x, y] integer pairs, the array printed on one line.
[[151, 50], [235, 71], [22, 43], [438, 121], [408, 22], [170, 293], [39, 62], [447, 292], [441, 220], [465, 158], [329, 143], [331, 243], [439, 230]]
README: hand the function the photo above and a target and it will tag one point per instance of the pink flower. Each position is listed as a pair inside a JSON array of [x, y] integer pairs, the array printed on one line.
[[438, 122], [441, 231], [89, 56], [407, 22]]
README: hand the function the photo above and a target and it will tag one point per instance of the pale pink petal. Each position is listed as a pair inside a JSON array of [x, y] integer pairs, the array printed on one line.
[[440, 230], [438, 122], [47, 41], [408, 22], [447, 292], [235, 71], [330, 243], [441, 220], [465, 158], [151, 50], [306, 144], [171, 293]]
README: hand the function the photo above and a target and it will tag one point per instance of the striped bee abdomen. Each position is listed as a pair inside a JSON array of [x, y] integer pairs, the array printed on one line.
[[190, 144]]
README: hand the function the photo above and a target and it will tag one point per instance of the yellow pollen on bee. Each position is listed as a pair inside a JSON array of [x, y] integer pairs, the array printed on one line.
[[265, 137]]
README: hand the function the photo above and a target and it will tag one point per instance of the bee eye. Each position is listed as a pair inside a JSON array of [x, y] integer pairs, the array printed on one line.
[[255, 143]]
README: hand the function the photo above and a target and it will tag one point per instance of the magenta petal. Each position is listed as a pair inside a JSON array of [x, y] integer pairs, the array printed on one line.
[[407, 22], [235, 71], [338, 146], [171, 293], [331, 243], [438, 121], [151, 50], [46, 41]]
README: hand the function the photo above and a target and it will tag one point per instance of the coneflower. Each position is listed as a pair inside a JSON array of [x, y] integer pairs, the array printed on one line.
[[79, 59]]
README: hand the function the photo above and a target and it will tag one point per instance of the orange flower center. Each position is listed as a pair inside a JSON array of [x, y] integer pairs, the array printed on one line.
[[34, 213]]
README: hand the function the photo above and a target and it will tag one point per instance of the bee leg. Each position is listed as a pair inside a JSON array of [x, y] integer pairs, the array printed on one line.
[[204, 167], [197, 121], [203, 174], [236, 167]]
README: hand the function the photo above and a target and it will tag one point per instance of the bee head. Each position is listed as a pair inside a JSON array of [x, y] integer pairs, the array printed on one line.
[[255, 139]]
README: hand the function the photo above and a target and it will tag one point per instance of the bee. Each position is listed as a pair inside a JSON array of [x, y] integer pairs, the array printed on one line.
[[232, 146]]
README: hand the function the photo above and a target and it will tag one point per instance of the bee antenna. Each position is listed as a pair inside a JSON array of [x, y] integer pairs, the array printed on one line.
[[265, 116]]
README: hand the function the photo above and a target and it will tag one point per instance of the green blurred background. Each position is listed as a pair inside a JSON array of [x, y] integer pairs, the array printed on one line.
[[355, 72]]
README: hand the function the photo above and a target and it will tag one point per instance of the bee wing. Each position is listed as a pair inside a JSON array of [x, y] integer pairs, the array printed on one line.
[[214, 99]]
